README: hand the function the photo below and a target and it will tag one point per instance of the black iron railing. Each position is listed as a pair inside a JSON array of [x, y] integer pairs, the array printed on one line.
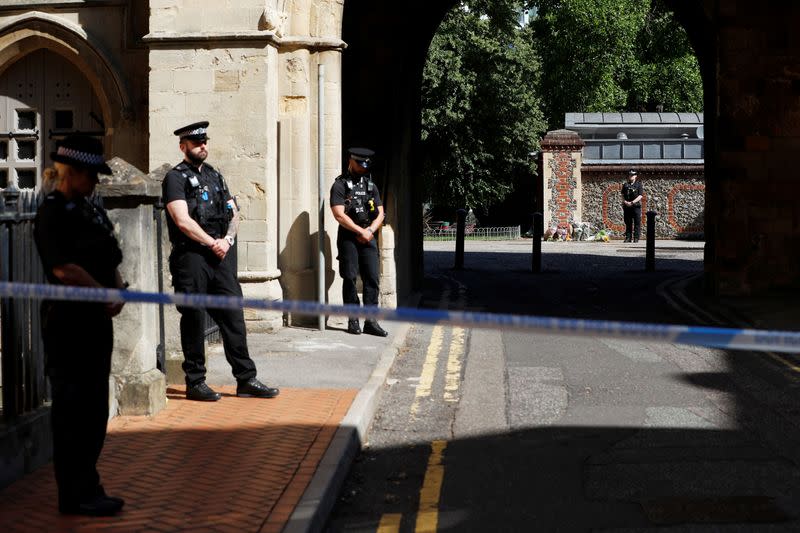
[[24, 387]]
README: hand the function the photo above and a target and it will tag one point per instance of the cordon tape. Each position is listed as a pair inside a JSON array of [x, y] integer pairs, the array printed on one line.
[[713, 337]]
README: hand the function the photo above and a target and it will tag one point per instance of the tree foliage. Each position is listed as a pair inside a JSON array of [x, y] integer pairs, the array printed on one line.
[[491, 88], [614, 55], [481, 116]]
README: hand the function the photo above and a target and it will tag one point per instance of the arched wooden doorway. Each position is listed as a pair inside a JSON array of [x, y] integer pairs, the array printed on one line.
[[43, 97]]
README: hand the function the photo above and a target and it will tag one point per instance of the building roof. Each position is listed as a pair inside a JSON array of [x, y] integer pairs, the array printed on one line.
[[639, 138], [577, 120], [635, 125]]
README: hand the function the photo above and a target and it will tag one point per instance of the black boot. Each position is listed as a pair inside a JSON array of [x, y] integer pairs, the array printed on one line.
[[96, 506], [372, 328], [202, 393], [252, 388], [353, 327]]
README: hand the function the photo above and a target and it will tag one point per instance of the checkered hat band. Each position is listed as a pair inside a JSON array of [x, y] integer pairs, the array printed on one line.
[[196, 131], [84, 157]]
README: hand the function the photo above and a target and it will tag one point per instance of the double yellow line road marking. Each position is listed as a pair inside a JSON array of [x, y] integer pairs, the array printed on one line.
[[430, 493], [455, 360]]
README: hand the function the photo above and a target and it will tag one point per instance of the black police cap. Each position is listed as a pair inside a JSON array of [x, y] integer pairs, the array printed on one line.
[[363, 156], [632, 172], [195, 131]]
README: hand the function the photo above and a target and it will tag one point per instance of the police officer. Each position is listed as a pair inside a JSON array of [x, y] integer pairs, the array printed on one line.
[[202, 222], [357, 207], [632, 206], [77, 246]]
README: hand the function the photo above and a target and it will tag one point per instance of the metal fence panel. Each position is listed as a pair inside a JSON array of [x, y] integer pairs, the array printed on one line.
[[21, 350], [472, 233]]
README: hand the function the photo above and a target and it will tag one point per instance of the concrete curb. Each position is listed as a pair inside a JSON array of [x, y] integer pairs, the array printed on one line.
[[320, 496]]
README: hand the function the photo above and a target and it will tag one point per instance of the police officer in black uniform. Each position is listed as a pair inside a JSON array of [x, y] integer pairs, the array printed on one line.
[[202, 222], [77, 246], [356, 205], [632, 206]]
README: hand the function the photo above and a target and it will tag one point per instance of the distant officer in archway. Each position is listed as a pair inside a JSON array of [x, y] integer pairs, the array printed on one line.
[[632, 206], [356, 205], [202, 222]]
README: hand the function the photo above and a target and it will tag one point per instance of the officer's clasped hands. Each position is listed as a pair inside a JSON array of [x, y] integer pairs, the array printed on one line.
[[365, 236], [220, 248]]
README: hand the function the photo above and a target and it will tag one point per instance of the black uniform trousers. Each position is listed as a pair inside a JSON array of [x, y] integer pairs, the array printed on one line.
[[78, 341], [633, 221], [198, 271], [354, 258]]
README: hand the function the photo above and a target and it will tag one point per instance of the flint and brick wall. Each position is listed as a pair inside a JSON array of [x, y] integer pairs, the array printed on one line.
[[677, 197], [591, 193]]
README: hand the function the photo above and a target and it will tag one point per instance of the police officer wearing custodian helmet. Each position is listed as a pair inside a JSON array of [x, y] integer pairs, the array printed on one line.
[[202, 222], [356, 205], [77, 246]]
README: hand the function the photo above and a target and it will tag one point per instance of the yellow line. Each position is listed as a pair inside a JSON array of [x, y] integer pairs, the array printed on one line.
[[453, 379], [429, 494], [785, 362], [428, 368], [390, 523]]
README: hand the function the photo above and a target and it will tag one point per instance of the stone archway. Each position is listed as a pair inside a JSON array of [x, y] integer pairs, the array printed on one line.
[[382, 73], [751, 72]]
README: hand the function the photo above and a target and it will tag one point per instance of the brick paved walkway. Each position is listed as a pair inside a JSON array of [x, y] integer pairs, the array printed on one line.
[[240, 464]]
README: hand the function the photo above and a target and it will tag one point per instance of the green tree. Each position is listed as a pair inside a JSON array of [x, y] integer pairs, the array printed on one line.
[[666, 72], [481, 117], [613, 55]]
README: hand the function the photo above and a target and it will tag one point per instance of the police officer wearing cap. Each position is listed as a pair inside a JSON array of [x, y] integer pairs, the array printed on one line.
[[356, 205], [77, 247], [632, 206], [202, 222]]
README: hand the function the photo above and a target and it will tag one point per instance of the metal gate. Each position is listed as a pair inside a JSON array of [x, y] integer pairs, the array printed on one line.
[[21, 350]]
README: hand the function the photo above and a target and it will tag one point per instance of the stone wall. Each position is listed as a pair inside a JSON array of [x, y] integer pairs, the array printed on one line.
[[251, 68], [677, 197]]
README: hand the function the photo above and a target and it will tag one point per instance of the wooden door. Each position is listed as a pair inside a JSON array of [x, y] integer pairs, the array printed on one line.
[[43, 97]]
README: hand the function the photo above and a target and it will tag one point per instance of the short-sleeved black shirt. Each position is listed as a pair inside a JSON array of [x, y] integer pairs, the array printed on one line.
[[76, 232], [339, 192], [176, 187], [630, 191]]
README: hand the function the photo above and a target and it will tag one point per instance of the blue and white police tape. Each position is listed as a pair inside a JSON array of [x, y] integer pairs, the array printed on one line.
[[729, 338]]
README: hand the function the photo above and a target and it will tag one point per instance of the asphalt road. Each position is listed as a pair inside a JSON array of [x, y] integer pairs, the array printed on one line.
[[503, 431]]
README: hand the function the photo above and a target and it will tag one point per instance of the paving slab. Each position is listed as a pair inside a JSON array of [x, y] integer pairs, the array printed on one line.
[[240, 464]]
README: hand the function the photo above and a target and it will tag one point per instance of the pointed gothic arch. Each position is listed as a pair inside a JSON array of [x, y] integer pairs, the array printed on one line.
[[33, 31]]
